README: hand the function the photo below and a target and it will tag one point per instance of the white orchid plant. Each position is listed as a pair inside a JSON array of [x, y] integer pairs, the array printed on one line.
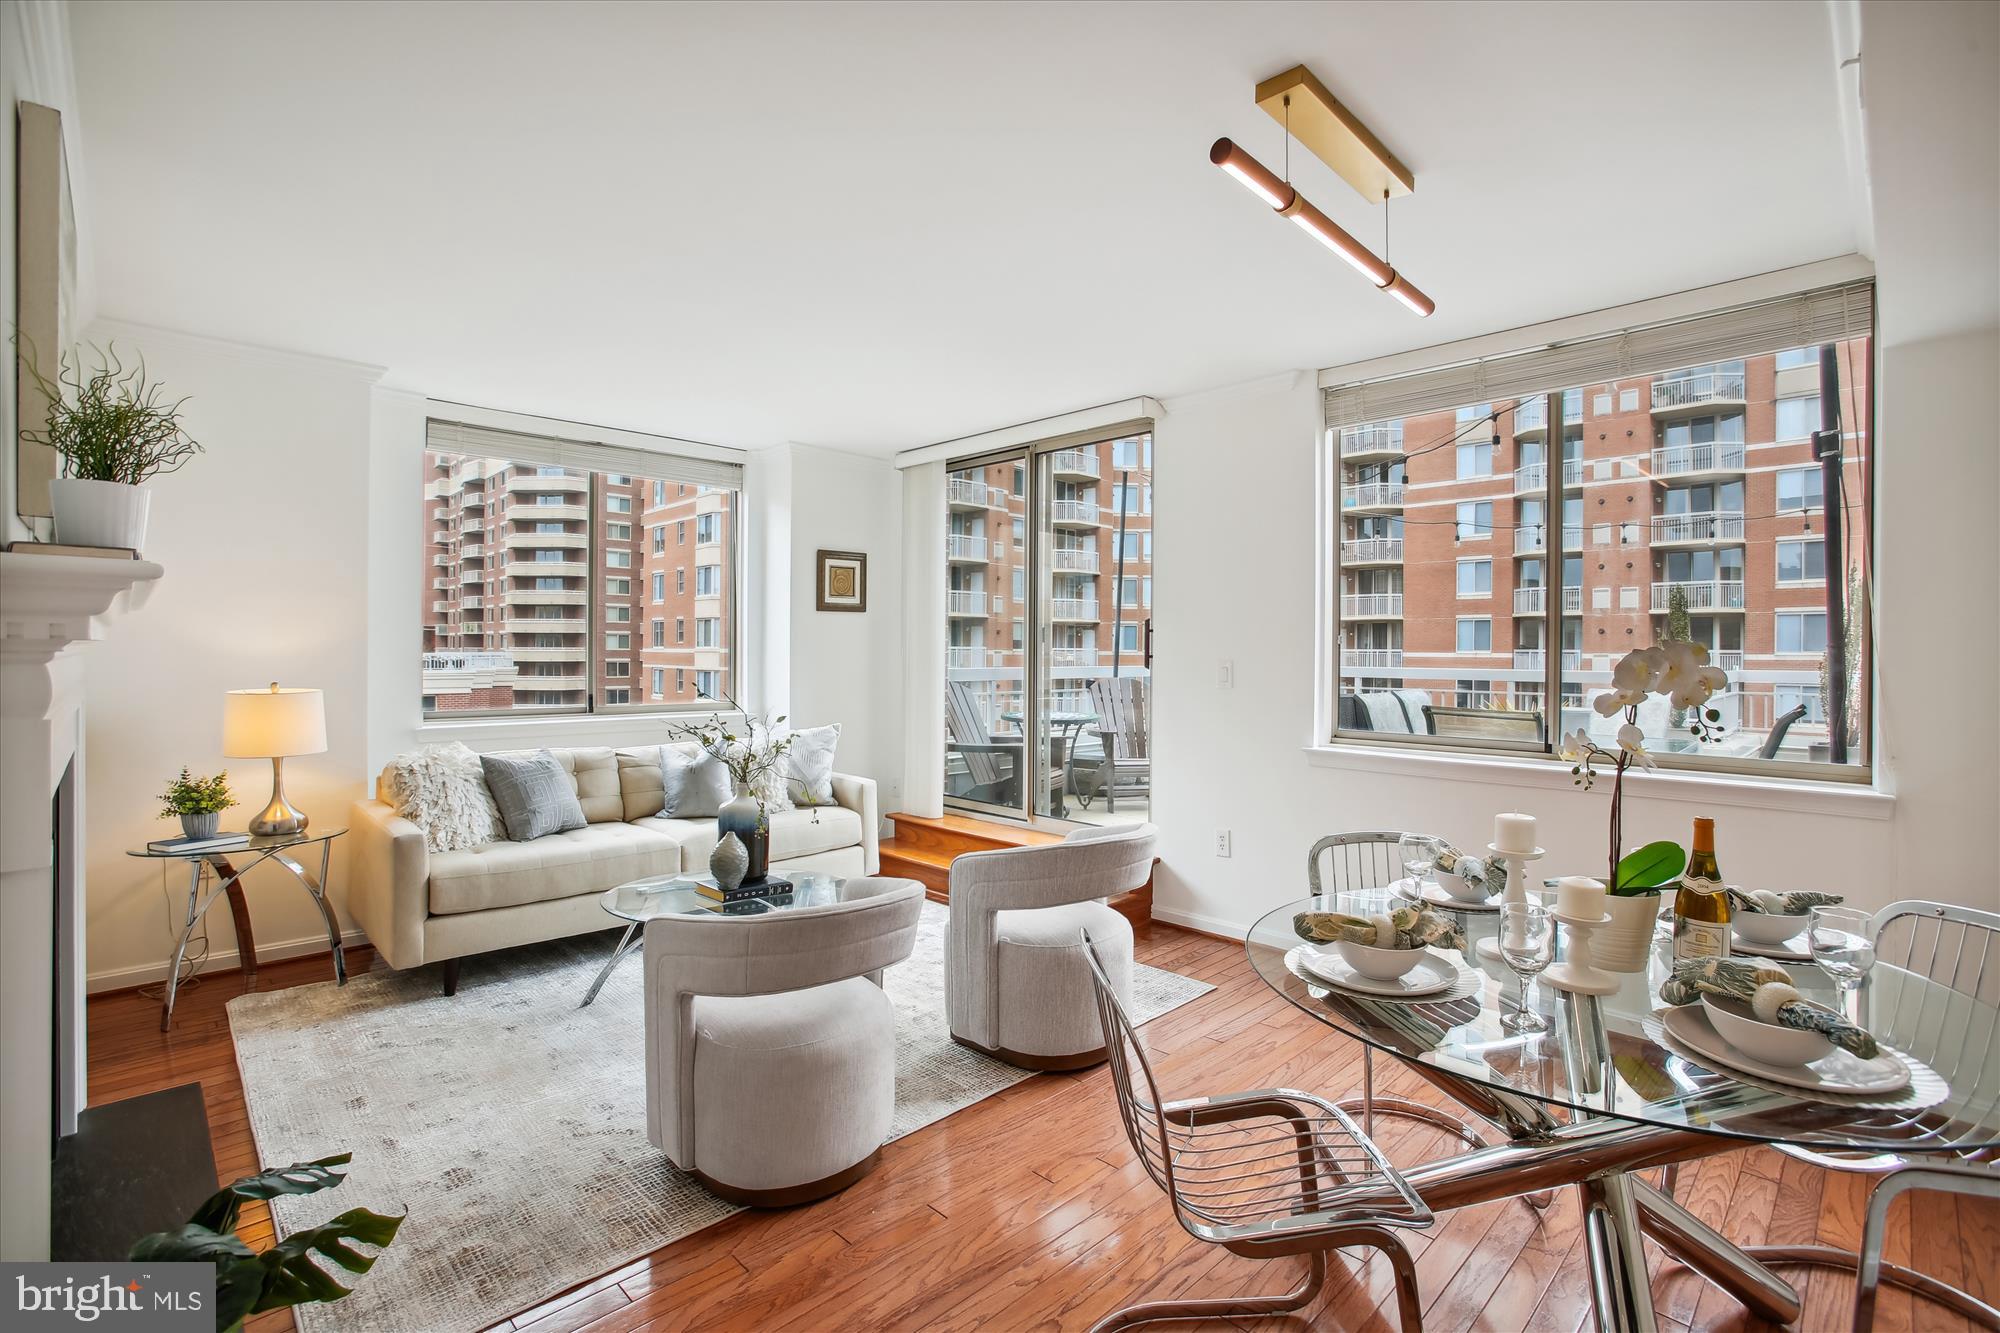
[[1681, 672]]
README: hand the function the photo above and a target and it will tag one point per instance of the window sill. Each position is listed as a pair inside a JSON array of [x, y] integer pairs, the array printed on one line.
[[1848, 800], [641, 727]]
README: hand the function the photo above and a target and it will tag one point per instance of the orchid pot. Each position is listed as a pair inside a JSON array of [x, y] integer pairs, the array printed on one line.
[[1624, 943]]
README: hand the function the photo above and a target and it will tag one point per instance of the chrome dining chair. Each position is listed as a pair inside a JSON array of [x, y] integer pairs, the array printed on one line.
[[1262, 1174], [1959, 950]]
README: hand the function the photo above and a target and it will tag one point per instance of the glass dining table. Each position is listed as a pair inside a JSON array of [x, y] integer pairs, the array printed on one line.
[[1605, 1092]]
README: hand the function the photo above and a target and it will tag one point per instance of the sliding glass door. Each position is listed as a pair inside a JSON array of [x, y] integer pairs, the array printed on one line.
[[1048, 608]]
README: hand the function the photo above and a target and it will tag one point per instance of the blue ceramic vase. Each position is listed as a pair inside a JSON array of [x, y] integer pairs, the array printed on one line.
[[743, 817]]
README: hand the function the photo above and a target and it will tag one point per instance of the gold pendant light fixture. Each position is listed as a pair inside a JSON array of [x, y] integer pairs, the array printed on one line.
[[1317, 120]]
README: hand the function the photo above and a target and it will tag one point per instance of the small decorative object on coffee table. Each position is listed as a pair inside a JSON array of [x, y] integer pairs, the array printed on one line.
[[756, 760], [198, 802], [729, 862]]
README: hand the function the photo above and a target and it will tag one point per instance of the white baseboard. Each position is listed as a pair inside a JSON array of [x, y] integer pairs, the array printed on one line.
[[148, 974], [1212, 925]]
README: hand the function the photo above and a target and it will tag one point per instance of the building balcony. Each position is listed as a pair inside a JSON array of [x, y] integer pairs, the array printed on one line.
[[1073, 560], [1534, 601], [576, 654], [1359, 551], [442, 583], [1073, 513], [1371, 606], [1073, 657], [1384, 440], [440, 607], [1685, 392], [1536, 659], [1698, 460], [970, 602], [1371, 659], [566, 681], [1530, 539], [965, 546], [967, 493], [472, 527], [471, 603], [472, 574], [546, 569], [546, 625], [530, 484], [472, 551], [441, 561], [1073, 608], [1732, 662], [1700, 529], [555, 513], [1076, 464], [547, 541], [967, 658], [1715, 595], [1530, 478], [1531, 417], [1372, 495], [542, 597]]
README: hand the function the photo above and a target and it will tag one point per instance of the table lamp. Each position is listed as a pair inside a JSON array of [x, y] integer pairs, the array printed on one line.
[[272, 724]]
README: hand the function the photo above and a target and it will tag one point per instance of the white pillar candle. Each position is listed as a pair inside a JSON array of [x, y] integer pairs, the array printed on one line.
[[1514, 833], [1580, 898]]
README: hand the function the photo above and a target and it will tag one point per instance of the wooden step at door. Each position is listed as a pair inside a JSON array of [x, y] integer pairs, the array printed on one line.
[[924, 848]]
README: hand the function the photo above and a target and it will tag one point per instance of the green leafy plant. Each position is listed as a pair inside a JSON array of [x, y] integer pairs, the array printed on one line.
[[190, 795], [1653, 866], [110, 423], [248, 1282], [751, 756]]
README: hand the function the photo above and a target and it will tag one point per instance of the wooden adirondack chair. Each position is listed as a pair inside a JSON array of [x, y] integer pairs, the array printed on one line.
[[993, 759], [1124, 724]]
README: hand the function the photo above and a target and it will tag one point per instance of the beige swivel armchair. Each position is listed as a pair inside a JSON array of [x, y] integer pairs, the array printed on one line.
[[770, 1047], [1017, 985]]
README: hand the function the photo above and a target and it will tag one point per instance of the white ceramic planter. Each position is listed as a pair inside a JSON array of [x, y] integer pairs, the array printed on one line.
[[99, 513], [1624, 943]]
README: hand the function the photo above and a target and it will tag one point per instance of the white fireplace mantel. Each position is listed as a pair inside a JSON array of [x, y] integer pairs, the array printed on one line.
[[48, 603]]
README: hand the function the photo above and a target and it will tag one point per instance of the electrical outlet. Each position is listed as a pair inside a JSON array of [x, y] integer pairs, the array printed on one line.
[[1222, 842], [1225, 676]]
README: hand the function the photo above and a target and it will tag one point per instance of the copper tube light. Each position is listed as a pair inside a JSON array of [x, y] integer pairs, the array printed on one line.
[[1288, 202]]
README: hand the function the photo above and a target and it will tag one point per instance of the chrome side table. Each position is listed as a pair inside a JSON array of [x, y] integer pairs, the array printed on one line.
[[228, 880]]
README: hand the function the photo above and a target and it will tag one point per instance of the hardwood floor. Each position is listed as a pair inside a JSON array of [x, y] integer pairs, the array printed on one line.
[[1027, 1210]]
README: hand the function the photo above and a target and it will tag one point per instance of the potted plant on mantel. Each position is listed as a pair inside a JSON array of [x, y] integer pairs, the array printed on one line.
[[114, 431], [1679, 671]]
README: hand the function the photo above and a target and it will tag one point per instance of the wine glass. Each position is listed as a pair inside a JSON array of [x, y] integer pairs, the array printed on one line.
[[1528, 945], [1843, 944], [1419, 855]]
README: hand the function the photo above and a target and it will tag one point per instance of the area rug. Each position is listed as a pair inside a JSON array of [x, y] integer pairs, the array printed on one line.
[[511, 1124]]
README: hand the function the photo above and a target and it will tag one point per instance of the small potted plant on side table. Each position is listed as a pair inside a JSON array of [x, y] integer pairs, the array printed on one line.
[[1680, 671], [198, 801]]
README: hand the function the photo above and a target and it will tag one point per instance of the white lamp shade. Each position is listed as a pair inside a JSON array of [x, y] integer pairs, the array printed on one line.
[[273, 723]]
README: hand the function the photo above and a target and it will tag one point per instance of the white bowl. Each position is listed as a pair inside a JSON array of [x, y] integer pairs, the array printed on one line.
[[1767, 928], [1455, 886], [1378, 964], [1774, 1045]]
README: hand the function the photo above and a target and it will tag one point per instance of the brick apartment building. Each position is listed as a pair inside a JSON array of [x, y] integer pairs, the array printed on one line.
[[526, 596], [1697, 486]]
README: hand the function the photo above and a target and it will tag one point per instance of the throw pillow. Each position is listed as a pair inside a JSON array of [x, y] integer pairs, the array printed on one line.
[[696, 783], [810, 781], [535, 794], [442, 790]]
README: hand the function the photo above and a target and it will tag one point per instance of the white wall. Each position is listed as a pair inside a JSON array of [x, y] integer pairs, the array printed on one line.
[[265, 540]]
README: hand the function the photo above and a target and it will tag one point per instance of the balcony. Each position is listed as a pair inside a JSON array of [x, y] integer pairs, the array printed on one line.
[[1701, 529], [472, 551], [545, 625], [1371, 551], [1697, 460], [1073, 560], [441, 584], [441, 606], [1533, 601], [1383, 440], [1531, 417], [468, 662], [1073, 513], [472, 575], [966, 659], [1530, 478], [575, 654], [535, 597], [471, 603], [547, 541], [967, 493], [1076, 464], [1530, 539], [1371, 606], [555, 513], [1732, 662], [1372, 495], [1690, 391], [1715, 595], [1073, 657], [440, 561], [969, 602], [1535, 659], [1371, 659], [529, 484], [546, 569], [965, 546], [1073, 608], [563, 682]]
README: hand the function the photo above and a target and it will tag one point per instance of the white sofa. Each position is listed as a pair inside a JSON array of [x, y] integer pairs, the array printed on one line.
[[418, 906]]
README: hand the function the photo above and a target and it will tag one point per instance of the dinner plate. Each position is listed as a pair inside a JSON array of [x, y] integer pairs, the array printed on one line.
[[1430, 977], [1433, 895], [1791, 951], [1841, 1072]]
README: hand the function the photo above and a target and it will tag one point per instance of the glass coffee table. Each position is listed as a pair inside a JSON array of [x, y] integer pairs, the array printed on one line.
[[676, 895]]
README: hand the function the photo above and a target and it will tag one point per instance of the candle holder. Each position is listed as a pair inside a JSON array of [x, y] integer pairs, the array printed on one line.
[[1516, 892], [1575, 973]]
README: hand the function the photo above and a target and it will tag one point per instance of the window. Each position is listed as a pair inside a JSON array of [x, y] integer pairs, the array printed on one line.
[[707, 632], [1020, 584], [1132, 453], [708, 580], [708, 529], [550, 623], [680, 629], [681, 532], [680, 680], [1020, 633], [1128, 637], [1799, 634], [1802, 560], [708, 683], [680, 581], [1683, 501], [1020, 534], [1801, 488]]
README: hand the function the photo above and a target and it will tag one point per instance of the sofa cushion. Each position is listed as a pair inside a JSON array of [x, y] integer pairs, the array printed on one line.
[[793, 833], [590, 859], [809, 765], [694, 786], [594, 769], [641, 791], [535, 795]]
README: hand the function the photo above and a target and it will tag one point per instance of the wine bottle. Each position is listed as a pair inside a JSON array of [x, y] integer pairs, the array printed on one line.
[[1701, 908]]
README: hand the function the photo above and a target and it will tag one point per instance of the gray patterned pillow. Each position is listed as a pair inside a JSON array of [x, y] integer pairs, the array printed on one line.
[[696, 784], [535, 794]]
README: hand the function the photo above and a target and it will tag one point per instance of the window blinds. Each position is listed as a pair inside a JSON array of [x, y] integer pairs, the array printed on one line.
[[1803, 320], [456, 437]]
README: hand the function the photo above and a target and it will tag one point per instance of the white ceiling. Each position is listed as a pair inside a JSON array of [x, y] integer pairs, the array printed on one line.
[[874, 226]]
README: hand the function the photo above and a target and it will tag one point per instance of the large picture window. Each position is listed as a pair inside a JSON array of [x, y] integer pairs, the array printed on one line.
[[1693, 502], [531, 561]]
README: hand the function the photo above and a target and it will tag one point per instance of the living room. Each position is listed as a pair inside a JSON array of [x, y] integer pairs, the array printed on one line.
[[774, 661]]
